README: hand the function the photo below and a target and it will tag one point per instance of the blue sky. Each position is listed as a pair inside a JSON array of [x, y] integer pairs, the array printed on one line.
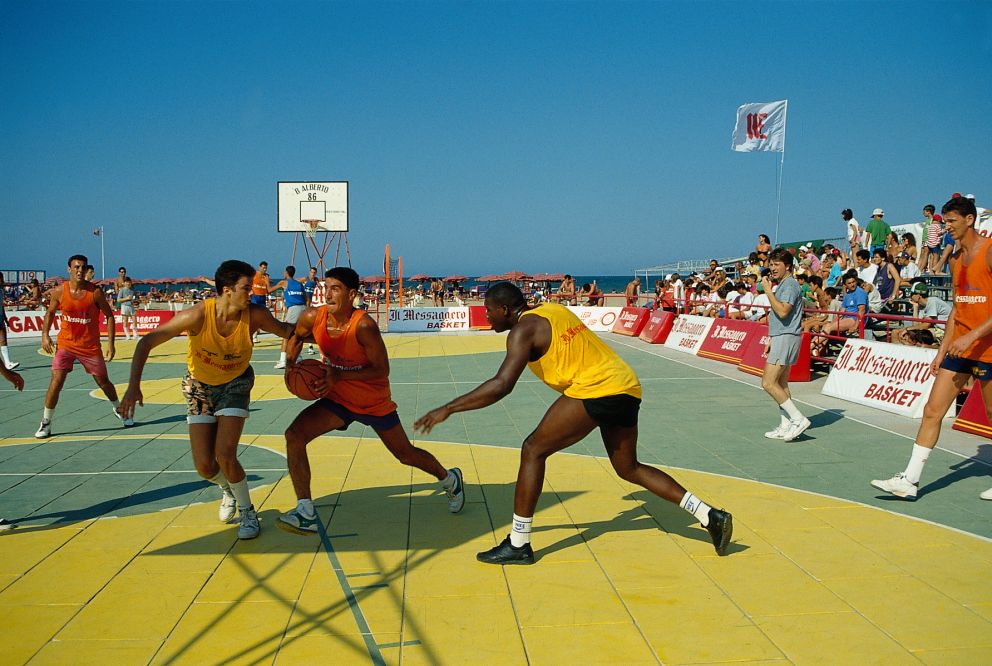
[[580, 137]]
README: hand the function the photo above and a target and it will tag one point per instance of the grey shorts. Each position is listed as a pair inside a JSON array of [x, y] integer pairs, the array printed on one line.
[[205, 402], [293, 313], [785, 349], [127, 309]]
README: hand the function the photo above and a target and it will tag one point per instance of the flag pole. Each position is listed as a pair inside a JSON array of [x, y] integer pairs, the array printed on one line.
[[781, 173], [103, 265]]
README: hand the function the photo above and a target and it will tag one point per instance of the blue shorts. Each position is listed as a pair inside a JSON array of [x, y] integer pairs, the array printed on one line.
[[377, 423], [980, 369]]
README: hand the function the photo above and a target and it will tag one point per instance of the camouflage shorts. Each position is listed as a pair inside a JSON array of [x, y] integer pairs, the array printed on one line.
[[205, 402]]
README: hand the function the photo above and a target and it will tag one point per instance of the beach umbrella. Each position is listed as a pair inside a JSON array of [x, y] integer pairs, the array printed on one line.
[[455, 278], [419, 277], [514, 276], [487, 278], [373, 279]]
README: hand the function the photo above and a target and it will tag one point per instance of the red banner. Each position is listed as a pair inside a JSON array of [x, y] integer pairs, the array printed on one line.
[[477, 317], [658, 327], [631, 321], [729, 339], [148, 320], [754, 358], [973, 418]]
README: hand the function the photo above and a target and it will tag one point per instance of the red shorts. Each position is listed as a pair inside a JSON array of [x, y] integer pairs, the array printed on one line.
[[94, 365]]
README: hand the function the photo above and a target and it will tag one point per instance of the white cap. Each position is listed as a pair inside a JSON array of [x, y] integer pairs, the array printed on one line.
[[970, 196], [668, 277], [804, 248], [877, 211]]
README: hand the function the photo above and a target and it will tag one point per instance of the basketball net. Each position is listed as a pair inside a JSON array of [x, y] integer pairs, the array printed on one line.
[[311, 230]]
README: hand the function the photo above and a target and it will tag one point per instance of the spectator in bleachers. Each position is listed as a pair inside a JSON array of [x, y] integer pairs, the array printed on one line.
[[854, 305], [886, 277], [760, 305], [807, 252], [738, 301], [751, 283], [678, 289], [892, 244], [934, 245], [875, 301], [908, 245], [924, 258], [865, 267], [876, 231], [925, 306], [947, 249], [853, 228], [762, 249], [908, 269], [753, 265], [803, 280], [818, 298]]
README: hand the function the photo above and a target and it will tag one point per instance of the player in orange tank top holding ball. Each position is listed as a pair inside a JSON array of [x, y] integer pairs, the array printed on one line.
[[79, 303], [966, 350], [218, 383], [356, 389]]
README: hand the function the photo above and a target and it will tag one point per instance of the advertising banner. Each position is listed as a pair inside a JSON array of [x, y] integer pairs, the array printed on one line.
[[658, 327], [596, 318], [147, 320], [728, 340], [893, 378], [477, 318], [688, 333], [631, 321], [28, 324], [973, 418], [404, 320]]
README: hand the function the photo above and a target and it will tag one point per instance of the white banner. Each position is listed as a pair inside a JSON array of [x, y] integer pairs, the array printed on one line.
[[760, 126], [28, 324], [596, 318], [688, 333], [893, 378], [402, 320]]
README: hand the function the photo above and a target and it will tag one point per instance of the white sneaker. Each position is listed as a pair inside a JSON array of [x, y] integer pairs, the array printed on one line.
[[778, 432], [898, 485], [280, 365], [44, 430], [456, 493], [228, 506], [6, 525], [249, 528], [987, 495], [796, 428], [127, 423], [12, 365], [311, 350]]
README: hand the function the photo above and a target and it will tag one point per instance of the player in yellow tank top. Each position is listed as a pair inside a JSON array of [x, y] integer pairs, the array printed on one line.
[[964, 351], [599, 390], [218, 383]]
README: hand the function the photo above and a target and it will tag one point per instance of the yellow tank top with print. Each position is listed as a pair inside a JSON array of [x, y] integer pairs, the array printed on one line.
[[578, 363], [214, 359]]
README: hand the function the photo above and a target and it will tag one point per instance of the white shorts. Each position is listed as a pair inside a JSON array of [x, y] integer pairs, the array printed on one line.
[[784, 349]]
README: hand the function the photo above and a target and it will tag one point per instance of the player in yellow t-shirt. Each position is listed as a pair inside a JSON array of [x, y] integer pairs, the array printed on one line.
[[599, 390], [218, 384]]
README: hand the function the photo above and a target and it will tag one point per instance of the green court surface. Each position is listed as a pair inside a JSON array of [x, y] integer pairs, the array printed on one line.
[[118, 556]]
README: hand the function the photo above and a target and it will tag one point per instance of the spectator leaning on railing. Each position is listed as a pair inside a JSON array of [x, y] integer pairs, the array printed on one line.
[[854, 305], [925, 306]]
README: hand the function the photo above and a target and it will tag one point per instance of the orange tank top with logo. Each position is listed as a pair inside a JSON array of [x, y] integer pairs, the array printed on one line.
[[345, 352], [972, 290], [79, 325], [260, 284]]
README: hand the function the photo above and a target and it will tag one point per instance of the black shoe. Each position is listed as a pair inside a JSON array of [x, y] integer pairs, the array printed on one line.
[[721, 528], [505, 553]]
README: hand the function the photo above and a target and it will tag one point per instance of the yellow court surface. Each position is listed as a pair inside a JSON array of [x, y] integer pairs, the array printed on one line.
[[118, 555]]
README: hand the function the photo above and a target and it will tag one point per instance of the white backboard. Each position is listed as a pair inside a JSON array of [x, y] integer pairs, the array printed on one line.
[[312, 200]]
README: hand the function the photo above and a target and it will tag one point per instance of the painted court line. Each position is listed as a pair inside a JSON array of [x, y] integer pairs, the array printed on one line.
[[147, 471]]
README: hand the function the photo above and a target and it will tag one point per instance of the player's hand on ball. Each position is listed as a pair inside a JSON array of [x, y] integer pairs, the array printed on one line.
[[323, 386], [427, 422], [131, 396]]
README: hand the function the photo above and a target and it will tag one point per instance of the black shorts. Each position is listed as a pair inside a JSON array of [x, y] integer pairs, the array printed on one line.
[[614, 410], [981, 370], [377, 423]]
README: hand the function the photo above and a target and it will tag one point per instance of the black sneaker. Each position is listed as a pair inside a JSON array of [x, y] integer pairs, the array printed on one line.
[[506, 553], [721, 528]]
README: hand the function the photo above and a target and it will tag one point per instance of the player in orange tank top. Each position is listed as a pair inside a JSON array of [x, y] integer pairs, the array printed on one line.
[[598, 390], [219, 331], [966, 350], [356, 389], [81, 303]]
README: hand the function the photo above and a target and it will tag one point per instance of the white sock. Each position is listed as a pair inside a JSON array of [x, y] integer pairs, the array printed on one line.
[[520, 534], [791, 410], [785, 418], [240, 490], [914, 470], [697, 507], [220, 480], [6, 354], [48, 414], [282, 357], [305, 507], [448, 482]]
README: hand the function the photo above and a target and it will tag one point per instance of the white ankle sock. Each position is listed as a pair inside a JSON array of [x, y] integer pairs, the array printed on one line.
[[520, 534], [914, 470], [697, 507], [48, 414], [220, 480], [6, 354], [448, 482], [305, 507], [785, 418], [240, 490], [790, 408], [282, 357]]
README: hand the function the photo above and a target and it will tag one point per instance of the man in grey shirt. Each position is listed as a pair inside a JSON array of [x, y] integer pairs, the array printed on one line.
[[785, 334]]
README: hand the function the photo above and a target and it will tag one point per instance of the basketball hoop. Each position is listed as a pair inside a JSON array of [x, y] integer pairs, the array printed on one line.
[[312, 227]]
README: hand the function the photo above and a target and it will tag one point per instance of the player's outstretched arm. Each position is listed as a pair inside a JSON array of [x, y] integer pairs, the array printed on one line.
[[186, 320], [262, 320], [519, 343]]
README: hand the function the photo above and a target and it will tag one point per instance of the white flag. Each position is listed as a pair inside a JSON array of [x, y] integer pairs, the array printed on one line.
[[760, 126]]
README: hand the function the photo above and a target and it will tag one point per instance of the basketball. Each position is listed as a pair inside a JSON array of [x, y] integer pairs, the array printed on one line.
[[301, 377]]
